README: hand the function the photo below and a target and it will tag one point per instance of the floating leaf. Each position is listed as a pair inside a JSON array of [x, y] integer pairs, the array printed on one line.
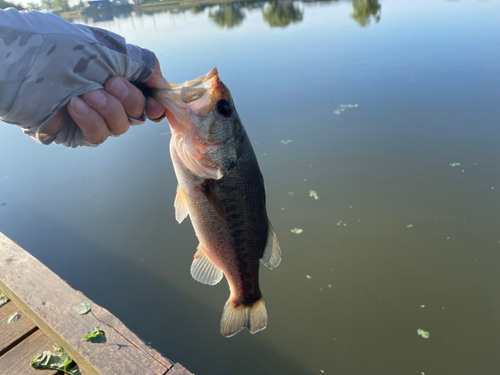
[[286, 142], [423, 333], [3, 299], [60, 361], [343, 107], [83, 308], [3, 204], [313, 194], [95, 335], [297, 230], [14, 318]]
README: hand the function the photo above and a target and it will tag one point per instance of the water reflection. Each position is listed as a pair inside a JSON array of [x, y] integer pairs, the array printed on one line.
[[227, 15], [278, 14], [103, 17], [200, 8], [275, 13], [364, 10]]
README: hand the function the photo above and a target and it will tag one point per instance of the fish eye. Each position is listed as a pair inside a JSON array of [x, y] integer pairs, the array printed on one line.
[[224, 108]]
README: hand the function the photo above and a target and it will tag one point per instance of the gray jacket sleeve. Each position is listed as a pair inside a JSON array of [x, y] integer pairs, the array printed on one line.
[[45, 61]]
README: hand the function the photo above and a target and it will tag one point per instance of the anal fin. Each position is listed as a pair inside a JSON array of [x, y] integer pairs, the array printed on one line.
[[272, 254], [180, 204], [204, 270]]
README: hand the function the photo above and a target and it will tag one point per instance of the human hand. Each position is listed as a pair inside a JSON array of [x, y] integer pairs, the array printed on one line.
[[104, 112]]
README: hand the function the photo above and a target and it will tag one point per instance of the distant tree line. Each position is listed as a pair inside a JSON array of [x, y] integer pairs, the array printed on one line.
[[55, 6], [5, 4]]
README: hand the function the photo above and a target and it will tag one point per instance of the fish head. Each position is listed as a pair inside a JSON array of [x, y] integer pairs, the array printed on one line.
[[204, 124]]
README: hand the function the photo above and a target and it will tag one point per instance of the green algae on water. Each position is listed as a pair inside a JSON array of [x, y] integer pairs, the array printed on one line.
[[423, 333], [313, 194]]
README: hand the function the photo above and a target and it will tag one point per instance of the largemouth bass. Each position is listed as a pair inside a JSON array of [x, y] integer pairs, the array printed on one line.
[[221, 188]]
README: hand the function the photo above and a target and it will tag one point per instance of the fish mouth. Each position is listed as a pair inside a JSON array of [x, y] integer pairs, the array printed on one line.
[[188, 105], [194, 97]]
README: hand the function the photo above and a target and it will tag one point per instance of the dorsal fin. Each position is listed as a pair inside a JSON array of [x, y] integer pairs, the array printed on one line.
[[272, 254], [180, 204], [204, 270], [213, 199]]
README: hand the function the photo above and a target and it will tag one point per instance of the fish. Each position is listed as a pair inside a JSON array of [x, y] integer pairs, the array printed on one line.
[[221, 188]]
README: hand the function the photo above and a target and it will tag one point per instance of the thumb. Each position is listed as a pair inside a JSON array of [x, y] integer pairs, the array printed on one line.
[[157, 80]]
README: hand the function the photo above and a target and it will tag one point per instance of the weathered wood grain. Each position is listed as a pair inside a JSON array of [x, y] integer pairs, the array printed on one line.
[[178, 369], [51, 303], [17, 361], [12, 334]]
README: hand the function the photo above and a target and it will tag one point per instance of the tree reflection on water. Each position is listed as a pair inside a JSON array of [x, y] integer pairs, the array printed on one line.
[[364, 10], [227, 15], [278, 14]]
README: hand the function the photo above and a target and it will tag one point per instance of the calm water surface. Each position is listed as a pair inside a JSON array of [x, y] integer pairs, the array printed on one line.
[[399, 240]]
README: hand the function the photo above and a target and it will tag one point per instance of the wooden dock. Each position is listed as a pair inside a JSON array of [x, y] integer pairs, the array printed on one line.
[[47, 308]]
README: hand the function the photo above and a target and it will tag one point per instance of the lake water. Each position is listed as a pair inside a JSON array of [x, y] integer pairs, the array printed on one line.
[[392, 109]]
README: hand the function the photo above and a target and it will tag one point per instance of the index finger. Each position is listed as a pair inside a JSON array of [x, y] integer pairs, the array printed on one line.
[[127, 94]]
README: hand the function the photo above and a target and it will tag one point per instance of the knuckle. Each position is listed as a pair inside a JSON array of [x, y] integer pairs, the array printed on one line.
[[119, 124], [119, 130], [95, 127], [102, 139]]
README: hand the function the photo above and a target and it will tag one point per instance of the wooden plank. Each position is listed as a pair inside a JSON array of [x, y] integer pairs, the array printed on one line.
[[51, 303], [17, 361], [12, 334], [178, 369]]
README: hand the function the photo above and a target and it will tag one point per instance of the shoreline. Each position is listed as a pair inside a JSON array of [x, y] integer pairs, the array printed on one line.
[[146, 6]]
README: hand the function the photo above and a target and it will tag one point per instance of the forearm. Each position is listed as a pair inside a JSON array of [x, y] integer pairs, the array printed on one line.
[[45, 61]]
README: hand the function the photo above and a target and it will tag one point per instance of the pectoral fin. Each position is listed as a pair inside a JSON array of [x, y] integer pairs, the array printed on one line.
[[272, 254], [204, 270], [180, 204], [214, 200]]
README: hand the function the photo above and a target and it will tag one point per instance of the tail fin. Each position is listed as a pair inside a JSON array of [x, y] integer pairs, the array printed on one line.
[[234, 319]]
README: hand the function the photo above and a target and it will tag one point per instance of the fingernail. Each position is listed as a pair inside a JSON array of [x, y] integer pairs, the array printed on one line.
[[119, 89], [79, 106], [95, 98]]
